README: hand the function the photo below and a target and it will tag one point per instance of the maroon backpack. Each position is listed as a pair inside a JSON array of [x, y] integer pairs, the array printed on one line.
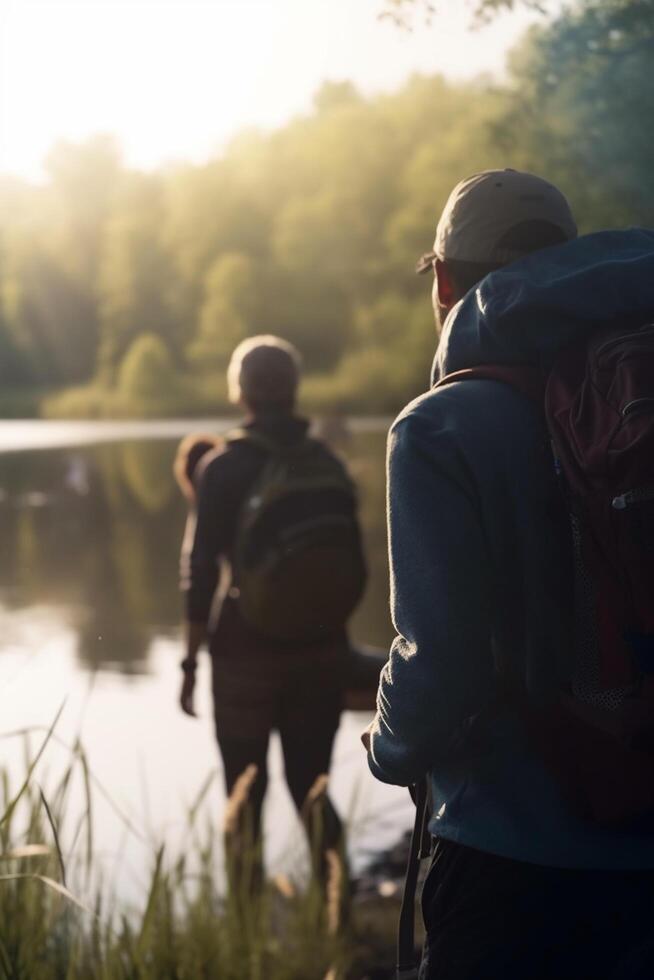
[[598, 400]]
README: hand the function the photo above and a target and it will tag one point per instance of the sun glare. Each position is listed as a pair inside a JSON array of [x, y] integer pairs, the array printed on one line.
[[154, 73], [174, 79]]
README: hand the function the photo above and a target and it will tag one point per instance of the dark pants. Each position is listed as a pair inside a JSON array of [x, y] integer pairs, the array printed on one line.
[[489, 918], [300, 698]]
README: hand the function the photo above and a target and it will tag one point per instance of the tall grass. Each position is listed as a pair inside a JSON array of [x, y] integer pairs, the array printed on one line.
[[59, 920]]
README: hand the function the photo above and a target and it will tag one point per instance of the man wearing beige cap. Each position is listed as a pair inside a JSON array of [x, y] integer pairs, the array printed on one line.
[[523, 884]]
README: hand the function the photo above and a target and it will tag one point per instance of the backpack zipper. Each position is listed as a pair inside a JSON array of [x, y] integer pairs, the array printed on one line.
[[637, 405], [638, 496]]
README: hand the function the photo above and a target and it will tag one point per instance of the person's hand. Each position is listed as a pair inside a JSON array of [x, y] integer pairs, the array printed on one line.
[[365, 739], [187, 692]]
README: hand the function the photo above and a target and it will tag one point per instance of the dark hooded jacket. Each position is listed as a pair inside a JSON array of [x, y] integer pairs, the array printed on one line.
[[481, 560]]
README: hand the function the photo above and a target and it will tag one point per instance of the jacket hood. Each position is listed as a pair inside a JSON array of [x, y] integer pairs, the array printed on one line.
[[527, 312]]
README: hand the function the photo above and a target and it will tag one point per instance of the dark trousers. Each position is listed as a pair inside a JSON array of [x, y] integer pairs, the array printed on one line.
[[304, 762], [298, 698], [488, 918]]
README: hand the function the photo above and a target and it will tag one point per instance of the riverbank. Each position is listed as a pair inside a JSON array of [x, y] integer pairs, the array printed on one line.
[[22, 403], [24, 434], [360, 388], [60, 918]]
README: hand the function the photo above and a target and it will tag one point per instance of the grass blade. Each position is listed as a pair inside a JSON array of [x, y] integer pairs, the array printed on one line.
[[56, 886], [152, 901], [53, 827], [88, 814], [6, 816], [200, 798], [104, 792]]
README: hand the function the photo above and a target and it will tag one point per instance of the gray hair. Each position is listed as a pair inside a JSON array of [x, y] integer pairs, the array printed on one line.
[[264, 371]]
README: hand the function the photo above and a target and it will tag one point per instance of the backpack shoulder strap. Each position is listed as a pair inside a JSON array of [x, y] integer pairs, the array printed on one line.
[[420, 847], [529, 381], [252, 438]]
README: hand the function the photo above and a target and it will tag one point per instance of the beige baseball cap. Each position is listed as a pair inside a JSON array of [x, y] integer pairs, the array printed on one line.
[[484, 208]]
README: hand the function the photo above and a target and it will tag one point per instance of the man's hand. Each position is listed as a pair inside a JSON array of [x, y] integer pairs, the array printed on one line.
[[196, 634], [187, 692]]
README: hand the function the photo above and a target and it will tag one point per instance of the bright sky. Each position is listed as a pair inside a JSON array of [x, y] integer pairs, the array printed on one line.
[[174, 79]]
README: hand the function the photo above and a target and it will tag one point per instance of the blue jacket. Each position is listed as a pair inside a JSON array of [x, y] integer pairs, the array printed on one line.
[[481, 566]]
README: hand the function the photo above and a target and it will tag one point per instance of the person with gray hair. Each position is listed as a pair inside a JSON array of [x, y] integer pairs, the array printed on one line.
[[264, 371], [277, 656]]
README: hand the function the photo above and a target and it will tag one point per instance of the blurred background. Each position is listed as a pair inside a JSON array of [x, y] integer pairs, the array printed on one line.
[[176, 175], [179, 174]]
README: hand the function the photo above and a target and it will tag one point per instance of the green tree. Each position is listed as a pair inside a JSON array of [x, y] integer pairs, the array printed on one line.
[[226, 311], [138, 289], [48, 320], [311, 231], [85, 179], [577, 109], [147, 370], [408, 13], [215, 209]]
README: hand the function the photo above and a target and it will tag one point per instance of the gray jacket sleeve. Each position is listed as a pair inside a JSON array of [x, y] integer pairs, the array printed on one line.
[[440, 671]]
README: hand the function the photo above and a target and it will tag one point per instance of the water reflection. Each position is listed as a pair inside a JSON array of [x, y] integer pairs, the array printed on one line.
[[95, 532], [89, 543]]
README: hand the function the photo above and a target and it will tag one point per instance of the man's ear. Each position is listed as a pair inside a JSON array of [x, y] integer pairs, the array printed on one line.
[[446, 290]]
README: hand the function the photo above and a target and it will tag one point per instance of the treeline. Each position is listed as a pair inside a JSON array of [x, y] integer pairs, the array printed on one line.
[[123, 293]]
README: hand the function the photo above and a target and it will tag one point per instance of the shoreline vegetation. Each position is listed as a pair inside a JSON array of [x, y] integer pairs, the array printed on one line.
[[321, 395], [188, 397], [60, 921], [123, 293]]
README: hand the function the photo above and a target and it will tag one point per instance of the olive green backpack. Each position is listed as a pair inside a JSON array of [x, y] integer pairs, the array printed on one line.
[[298, 564]]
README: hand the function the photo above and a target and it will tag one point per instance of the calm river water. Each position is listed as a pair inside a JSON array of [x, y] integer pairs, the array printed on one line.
[[90, 525]]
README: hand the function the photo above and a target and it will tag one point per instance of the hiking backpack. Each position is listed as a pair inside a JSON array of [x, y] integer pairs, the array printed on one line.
[[298, 562], [598, 402], [597, 739]]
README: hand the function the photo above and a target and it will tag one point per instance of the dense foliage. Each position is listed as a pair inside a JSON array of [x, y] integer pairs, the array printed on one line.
[[310, 232]]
